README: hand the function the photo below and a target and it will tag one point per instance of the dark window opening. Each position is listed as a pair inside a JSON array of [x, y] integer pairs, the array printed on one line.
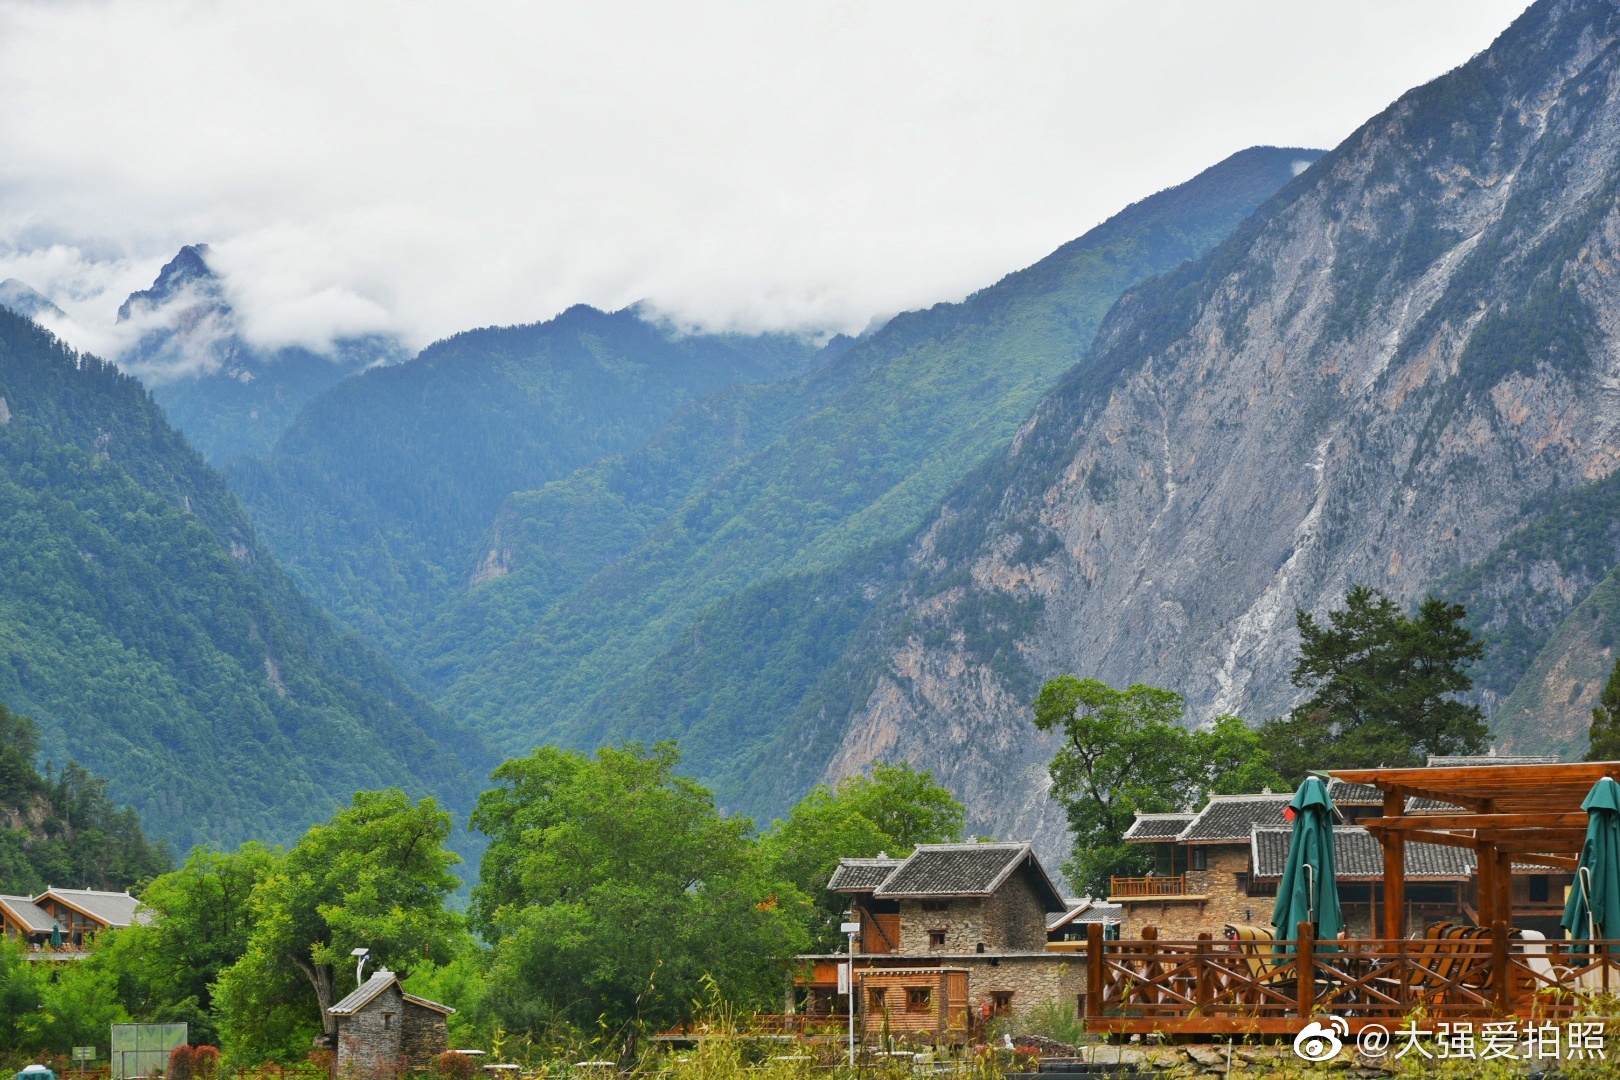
[[1001, 1002], [388, 1021], [936, 939], [1539, 890], [1200, 858], [919, 998], [936, 905], [874, 999]]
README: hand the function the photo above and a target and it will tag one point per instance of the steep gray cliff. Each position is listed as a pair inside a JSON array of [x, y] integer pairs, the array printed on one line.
[[1374, 380]]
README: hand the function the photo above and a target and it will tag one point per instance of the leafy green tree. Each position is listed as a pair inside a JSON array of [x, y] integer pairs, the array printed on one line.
[[614, 890], [201, 919], [377, 876], [1606, 720], [1126, 751], [19, 992], [892, 810], [75, 1005], [1383, 687]]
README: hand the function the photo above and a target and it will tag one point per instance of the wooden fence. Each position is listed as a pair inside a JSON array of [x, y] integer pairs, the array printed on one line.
[[1220, 986]]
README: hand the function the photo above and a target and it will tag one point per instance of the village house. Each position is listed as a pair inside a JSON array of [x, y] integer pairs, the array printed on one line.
[[383, 1031], [1066, 930], [950, 934], [72, 916], [1221, 866]]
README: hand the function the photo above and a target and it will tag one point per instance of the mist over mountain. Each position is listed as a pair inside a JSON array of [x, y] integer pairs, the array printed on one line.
[[228, 396], [20, 298], [158, 643]]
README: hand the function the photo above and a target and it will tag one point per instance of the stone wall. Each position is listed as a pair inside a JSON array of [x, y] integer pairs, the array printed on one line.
[[425, 1037], [962, 920], [1012, 919], [1226, 901], [369, 1043], [1032, 979]]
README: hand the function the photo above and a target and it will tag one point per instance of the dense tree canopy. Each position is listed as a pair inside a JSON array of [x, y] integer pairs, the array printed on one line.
[[892, 810], [614, 889], [1383, 687], [377, 875], [1126, 751], [1605, 732]]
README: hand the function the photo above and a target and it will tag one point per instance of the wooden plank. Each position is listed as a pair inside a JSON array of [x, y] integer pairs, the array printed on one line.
[[1483, 777], [1094, 970], [1305, 967], [1575, 820]]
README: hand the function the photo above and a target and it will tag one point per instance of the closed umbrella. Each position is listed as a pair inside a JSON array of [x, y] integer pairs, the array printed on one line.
[[56, 935], [1593, 909], [1309, 890]]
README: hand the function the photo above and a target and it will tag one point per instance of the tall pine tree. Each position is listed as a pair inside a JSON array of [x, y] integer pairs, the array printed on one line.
[[1606, 720]]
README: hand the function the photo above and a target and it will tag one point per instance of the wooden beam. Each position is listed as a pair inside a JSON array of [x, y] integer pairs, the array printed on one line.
[[1504, 887], [1576, 820], [1487, 885], [1394, 843], [1483, 777]]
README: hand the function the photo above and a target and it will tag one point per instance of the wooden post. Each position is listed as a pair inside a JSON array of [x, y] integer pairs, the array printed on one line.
[[1305, 967], [1394, 870], [1203, 992], [1501, 972], [1094, 969], [1485, 859], [1504, 887]]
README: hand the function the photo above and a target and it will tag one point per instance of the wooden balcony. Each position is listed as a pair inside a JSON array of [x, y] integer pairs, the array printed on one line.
[[1163, 885], [1263, 987]]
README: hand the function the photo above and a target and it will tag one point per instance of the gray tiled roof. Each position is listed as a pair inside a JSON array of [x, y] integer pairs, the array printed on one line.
[[114, 909], [1100, 912], [36, 918], [1358, 855], [964, 870], [1150, 827], [1419, 805], [365, 993], [1441, 761], [861, 875], [1346, 794], [1230, 818]]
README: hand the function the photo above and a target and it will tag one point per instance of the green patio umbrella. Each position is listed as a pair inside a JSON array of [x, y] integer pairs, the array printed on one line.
[[1593, 909], [56, 934], [1309, 890]]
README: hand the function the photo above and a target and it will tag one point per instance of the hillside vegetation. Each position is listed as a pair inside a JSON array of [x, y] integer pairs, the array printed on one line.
[[155, 641]]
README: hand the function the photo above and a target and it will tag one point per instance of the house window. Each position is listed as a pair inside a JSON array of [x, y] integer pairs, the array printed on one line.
[[1538, 888], [919, 999], [1001, 1002], [874, 999], [936, 939], [388, 1021], [936, 905], [1200, 858]]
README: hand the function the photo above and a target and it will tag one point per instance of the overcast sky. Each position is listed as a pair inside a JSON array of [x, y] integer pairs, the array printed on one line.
[[423, 168]]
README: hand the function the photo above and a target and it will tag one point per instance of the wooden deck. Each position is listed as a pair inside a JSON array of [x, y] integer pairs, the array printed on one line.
[[1221, 987]]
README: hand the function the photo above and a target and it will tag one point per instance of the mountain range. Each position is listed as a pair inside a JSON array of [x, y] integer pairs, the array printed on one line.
[[1394, 363]]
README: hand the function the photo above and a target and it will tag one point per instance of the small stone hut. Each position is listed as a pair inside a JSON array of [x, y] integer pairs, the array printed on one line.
[[383, 1031]]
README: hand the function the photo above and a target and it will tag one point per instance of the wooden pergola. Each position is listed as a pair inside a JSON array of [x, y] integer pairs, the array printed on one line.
[[1506, 814]]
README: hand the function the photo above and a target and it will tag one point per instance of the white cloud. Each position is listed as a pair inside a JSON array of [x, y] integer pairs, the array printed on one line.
[[423, 168]]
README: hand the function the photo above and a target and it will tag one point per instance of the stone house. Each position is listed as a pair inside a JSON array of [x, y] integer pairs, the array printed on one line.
[[966, 922], [383, 1031], [1066, 930], [1201, 868]]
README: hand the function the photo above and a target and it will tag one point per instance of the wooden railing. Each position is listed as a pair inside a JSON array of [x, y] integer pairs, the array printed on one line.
[[1167, 885], [1217, 986]]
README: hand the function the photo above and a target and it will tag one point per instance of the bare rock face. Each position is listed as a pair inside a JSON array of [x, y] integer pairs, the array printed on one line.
[[1369, 382]]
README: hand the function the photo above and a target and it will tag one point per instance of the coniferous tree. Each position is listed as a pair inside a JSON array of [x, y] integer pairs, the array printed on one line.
[[1383, 685], [1606, 720]]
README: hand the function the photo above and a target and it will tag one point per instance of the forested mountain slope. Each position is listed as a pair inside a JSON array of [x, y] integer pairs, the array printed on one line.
[[378, 497], [852, 456], [227, 396], [155, 641], [1381, 377]]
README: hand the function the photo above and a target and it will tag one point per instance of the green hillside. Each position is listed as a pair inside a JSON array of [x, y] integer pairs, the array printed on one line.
[[378, 496], [156, 642], [875, 439]]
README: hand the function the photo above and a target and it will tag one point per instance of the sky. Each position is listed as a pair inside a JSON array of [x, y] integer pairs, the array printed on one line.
[[417, 169]]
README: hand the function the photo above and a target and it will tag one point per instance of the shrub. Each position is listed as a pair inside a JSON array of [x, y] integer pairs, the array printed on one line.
[[454, 1066], [204, 1062], [180, 1062]]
